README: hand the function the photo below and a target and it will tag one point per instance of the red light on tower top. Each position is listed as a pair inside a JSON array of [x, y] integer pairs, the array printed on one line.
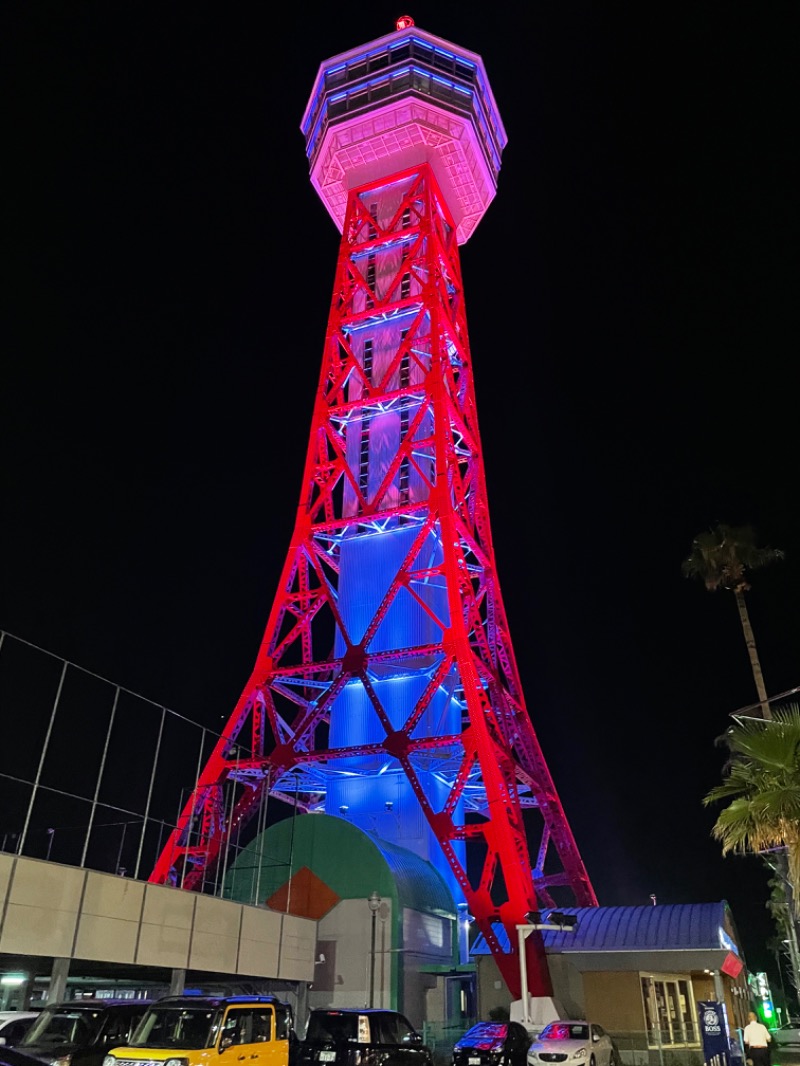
[[404, 22]]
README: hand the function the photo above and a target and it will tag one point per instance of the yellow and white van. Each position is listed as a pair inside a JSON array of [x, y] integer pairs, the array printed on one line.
[[210, 1031]]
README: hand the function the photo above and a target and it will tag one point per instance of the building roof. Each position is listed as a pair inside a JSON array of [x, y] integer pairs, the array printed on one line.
[[683, 935], [419, 884]]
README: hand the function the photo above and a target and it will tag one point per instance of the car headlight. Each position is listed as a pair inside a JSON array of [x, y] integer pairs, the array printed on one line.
[[62, 1060], [110, 1060], [176, 1062], [580, 1053]]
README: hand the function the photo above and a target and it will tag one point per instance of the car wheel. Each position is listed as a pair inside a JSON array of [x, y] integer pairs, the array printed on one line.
[[592, 1061]]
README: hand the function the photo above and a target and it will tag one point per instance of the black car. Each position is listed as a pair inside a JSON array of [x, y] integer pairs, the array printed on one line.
[[82, 1033], [493, 1044], [350, 1036], [10, 1056]]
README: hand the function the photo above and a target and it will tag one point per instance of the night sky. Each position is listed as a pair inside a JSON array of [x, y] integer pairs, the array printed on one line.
[[632, 305]]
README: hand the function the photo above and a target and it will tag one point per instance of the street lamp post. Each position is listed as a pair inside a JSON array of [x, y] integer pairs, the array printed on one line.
[[374, 903], [553, 920], [523, 932]]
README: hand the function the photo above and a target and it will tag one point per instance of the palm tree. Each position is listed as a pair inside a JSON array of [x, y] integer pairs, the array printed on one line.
[[762, 787], [721, 559], [762, 783]]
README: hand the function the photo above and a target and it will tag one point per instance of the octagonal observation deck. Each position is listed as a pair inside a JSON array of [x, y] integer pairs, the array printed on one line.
[[401, 100]]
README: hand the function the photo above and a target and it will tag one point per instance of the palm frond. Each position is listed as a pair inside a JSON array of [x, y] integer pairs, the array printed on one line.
[[761, 790], [720, 557]]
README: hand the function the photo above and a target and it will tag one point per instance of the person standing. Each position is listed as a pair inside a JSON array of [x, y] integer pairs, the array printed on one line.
[[757, 1039]]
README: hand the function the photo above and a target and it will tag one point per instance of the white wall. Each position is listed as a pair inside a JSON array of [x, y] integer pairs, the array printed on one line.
[[66, 912]]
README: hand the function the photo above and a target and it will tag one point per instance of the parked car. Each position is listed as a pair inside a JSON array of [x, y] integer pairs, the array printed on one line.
[[14, 1024], [572, 1042], [11, 1056], [80, 1033], [493, 1044], [351, 1036], [787, 1036], [198, 1030]]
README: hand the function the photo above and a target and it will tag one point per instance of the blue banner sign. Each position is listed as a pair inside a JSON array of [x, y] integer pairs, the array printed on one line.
[[716, 1049]]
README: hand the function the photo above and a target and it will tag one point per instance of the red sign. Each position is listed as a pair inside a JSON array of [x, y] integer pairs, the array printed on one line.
[[732, 965]]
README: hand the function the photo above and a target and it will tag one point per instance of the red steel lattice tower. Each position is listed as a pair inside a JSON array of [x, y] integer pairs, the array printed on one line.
[[386, 677]]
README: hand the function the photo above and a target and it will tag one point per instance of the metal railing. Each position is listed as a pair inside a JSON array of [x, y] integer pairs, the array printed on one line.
[[91, 774]]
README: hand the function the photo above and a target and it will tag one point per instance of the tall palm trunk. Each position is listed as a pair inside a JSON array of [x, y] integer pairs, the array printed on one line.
[[755, 664]]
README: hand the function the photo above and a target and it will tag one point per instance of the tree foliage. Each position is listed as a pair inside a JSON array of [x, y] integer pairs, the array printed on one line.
[[721, 557], [762, 790]]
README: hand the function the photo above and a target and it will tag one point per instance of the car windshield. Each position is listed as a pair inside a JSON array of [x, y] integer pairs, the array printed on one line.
[[485, 1035], [192, 1028], [330, 1025], [63, 1026], [565, 1031]]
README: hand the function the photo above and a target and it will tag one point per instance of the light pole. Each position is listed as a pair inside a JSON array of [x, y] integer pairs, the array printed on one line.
[[536, 920], [374, 903]]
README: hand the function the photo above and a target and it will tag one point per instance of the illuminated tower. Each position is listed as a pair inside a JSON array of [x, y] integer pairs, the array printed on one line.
[[386, 679]]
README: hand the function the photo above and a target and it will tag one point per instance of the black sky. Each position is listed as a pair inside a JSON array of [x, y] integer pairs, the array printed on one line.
[[632, 304]]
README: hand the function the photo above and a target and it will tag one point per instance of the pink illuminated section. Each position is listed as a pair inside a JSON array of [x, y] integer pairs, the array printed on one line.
[[402, 101]]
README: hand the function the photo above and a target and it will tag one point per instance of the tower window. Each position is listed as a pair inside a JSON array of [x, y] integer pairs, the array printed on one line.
[[363, 458], [368, 361], [405, 380], [371, 281], [405, 286], [405, 466], [405, 362]]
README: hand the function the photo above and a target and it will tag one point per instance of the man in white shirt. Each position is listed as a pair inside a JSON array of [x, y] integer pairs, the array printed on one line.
[[757, 1039]]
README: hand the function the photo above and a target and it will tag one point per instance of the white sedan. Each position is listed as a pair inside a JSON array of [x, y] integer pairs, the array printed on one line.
[[573, 1043]]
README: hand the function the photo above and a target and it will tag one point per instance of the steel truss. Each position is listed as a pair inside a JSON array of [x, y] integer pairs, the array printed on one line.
[[393, 514]]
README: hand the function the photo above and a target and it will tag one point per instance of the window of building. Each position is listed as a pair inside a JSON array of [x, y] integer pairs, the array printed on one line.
[[371, 281], [405, 286], [368, 360], [405, 381], [378, 62], [363, 458]]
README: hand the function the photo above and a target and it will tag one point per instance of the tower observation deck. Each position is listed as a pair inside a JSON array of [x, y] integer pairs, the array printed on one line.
[[405, 100], [386, 689]]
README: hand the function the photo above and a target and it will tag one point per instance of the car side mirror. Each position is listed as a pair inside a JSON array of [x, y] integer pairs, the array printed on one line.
[[2, 1041], [595, 1038], [225, 1043]]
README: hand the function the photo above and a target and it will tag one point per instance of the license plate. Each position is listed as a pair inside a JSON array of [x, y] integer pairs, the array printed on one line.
[[327, 1056], [473, 1061]]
